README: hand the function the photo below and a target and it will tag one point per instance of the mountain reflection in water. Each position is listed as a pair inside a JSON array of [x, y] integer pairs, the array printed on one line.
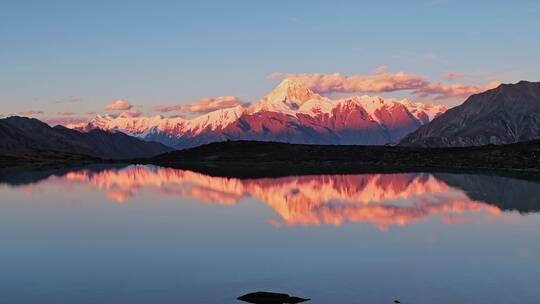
[[381, 200]]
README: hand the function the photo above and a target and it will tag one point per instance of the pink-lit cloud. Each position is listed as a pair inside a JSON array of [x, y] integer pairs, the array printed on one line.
[[118, 105], [376, 83], [446, 91], [132, 113], [168, 108], [69, 99], [63, 120], [69, 118], [65, 113], [452, 76], [203, 106], [381, 69], [383, 82], [31, 112]]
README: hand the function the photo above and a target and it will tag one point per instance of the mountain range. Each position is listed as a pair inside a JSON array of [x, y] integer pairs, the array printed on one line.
[[507, 114], [24, 134], [290, 113], [294, 114]]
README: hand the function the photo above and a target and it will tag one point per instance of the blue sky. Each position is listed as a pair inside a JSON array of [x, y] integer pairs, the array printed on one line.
[[77, 56]]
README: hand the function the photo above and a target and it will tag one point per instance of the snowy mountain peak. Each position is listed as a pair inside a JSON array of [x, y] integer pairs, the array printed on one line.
[[287, 98], [425, 112]]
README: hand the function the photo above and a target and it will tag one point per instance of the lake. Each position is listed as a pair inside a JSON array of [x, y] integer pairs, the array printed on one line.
[[145, 234]]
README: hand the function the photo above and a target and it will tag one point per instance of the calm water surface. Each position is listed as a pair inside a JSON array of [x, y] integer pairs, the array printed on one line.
[[142, 234]]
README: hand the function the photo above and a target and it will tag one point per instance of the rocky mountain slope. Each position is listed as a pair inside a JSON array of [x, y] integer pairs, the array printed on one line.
[[20, 133], [507, 114], [290, 113]]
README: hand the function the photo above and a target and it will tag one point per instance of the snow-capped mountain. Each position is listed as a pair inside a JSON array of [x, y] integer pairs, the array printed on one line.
[[290, 113], [288, 97]]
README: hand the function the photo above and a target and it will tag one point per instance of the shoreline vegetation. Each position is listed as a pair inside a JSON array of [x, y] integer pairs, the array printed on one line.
[[252, 159]]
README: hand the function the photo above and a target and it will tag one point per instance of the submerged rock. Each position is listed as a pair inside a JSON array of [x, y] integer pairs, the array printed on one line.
[[261, 297]]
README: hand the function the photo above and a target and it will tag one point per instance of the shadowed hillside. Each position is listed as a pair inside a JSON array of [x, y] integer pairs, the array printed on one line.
[[31, 139], [507, 114], [251, 158]]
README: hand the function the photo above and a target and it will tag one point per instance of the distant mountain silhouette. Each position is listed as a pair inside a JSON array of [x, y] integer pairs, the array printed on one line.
[[21, 133], [507, 114]]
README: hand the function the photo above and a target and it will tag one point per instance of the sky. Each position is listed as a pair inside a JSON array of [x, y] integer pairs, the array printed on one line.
[[72, 59]]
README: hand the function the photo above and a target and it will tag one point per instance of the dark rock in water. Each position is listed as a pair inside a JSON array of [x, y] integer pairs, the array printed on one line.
[[261, 297], [396, 301]]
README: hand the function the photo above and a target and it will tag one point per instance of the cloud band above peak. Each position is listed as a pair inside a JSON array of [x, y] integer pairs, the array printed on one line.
[[380, 82]]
